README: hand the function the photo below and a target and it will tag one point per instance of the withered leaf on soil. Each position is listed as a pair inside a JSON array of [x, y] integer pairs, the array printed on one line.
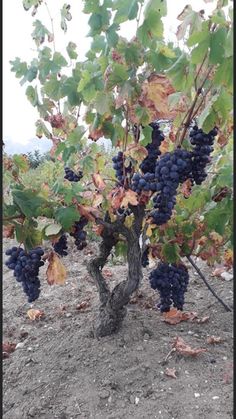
[[175, 316], [214, 339], [170, 372], [34, 314], [83, 306], [56, 271], [185, 349]]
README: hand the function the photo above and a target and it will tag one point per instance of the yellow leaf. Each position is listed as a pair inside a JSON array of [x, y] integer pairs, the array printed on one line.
[[35, 314], [149, 230], [56, 272]]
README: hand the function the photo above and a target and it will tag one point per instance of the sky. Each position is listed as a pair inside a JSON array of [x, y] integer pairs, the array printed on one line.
[[19, 116]]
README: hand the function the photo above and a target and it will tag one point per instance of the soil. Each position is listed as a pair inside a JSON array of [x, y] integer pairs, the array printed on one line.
[[60, 370]]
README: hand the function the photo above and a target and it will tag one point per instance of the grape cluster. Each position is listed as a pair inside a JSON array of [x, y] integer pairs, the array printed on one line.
[[149, 163], [144, 259], [72, 176], [171, 281], [172, 168], [118, 166], [79, 234], [61, 246], [201, 153], [26, 269], [144, 182]]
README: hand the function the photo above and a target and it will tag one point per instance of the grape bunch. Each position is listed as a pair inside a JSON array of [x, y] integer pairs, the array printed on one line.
[[201, 153], [144, 259], [61, 246], [171, 281], [72, 176], [79, 234], [171, 170], [149, 163], [144, 182], [26, 269], [118, 166]]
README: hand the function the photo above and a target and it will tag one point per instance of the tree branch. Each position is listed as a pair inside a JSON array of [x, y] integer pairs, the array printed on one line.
[[207, 284]]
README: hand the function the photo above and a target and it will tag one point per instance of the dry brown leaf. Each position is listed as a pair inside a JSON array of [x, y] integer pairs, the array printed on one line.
[[175, 316], [87, 194], [83, 306], [130, 197], [221, 194], [164, 147], [98, 181], [34, 314], [56, 142], [8, 231], [203, 319], [8, 347], [214, 339], [170, 372], [202, 241], [216, 238], [95, 134], [186, 188], [228, 258], [89, 212], [97, 229], [144, 197], [97, 200], [56, 271], [185, 349], [137, 152], [228, 374], [218, 271]]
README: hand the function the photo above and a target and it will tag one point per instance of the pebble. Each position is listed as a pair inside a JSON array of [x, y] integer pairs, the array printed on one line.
[[68, 315], [29, 349], [104, 394], [20, 345], [139, 348], [197, 394], [215, 397], [146, 336], [32, 411], [190, 332]]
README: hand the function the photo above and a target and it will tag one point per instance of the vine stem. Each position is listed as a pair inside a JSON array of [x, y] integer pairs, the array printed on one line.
[[13, 217], [227, 308], [52, 25]]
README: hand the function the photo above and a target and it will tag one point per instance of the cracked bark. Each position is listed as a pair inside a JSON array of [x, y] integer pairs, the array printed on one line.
[[113, 303]]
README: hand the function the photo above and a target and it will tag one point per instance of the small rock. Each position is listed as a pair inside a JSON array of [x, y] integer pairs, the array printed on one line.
[[132, 399], [104, 394], [139, 348], [136, 400], [29, 349], [196, 394], [32, 412], [68, 315], [146, 336], [20, 345], [215, 397], [212, 361], [190, 332]]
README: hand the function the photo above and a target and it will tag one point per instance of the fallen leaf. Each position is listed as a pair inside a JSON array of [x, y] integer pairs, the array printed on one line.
[[56, 272], [34, 314], [202, 320], [170, 372], [8, 347], [185, 349], [98, 181], [228, 374], [218, 271], [83, 305], [175, 316], [214, 339]]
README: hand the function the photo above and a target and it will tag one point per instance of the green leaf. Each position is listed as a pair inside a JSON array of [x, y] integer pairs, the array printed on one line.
[[67, 216], [27, 4], [32, 95], [52, 88], [199, 52], [28, 201], [89, 92], [20, 162], [69, 89], [198, 37], [217, 46], [224, 74], [58, 61], [229, 44], [118, 76], [207, 110], [65, 16], [71, 50], [151, 28], [41, 129], [147, 132], [87, 165], [171, 252], [103, 102], [98, 43], [76, 135], [111, 35], [127, 9], [224, 104], [39, 33], [52, 229], [158, 6], [121, 250], [19, 67], [28, 234]]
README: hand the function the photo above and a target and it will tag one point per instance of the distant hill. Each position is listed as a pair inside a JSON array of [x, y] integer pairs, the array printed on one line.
[[11, 147]]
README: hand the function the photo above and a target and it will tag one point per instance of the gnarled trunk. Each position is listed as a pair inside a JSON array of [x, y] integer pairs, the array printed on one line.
[[112, 309]]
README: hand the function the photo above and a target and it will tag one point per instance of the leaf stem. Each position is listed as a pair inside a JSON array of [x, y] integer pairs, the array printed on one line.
[[207, 284]]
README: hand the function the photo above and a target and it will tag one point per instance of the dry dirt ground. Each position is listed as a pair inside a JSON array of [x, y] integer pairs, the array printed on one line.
[[61, 371]]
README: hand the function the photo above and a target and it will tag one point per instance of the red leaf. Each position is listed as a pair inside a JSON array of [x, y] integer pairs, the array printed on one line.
[[175, 316], [8, 347], [35, 314], [185, 349]]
